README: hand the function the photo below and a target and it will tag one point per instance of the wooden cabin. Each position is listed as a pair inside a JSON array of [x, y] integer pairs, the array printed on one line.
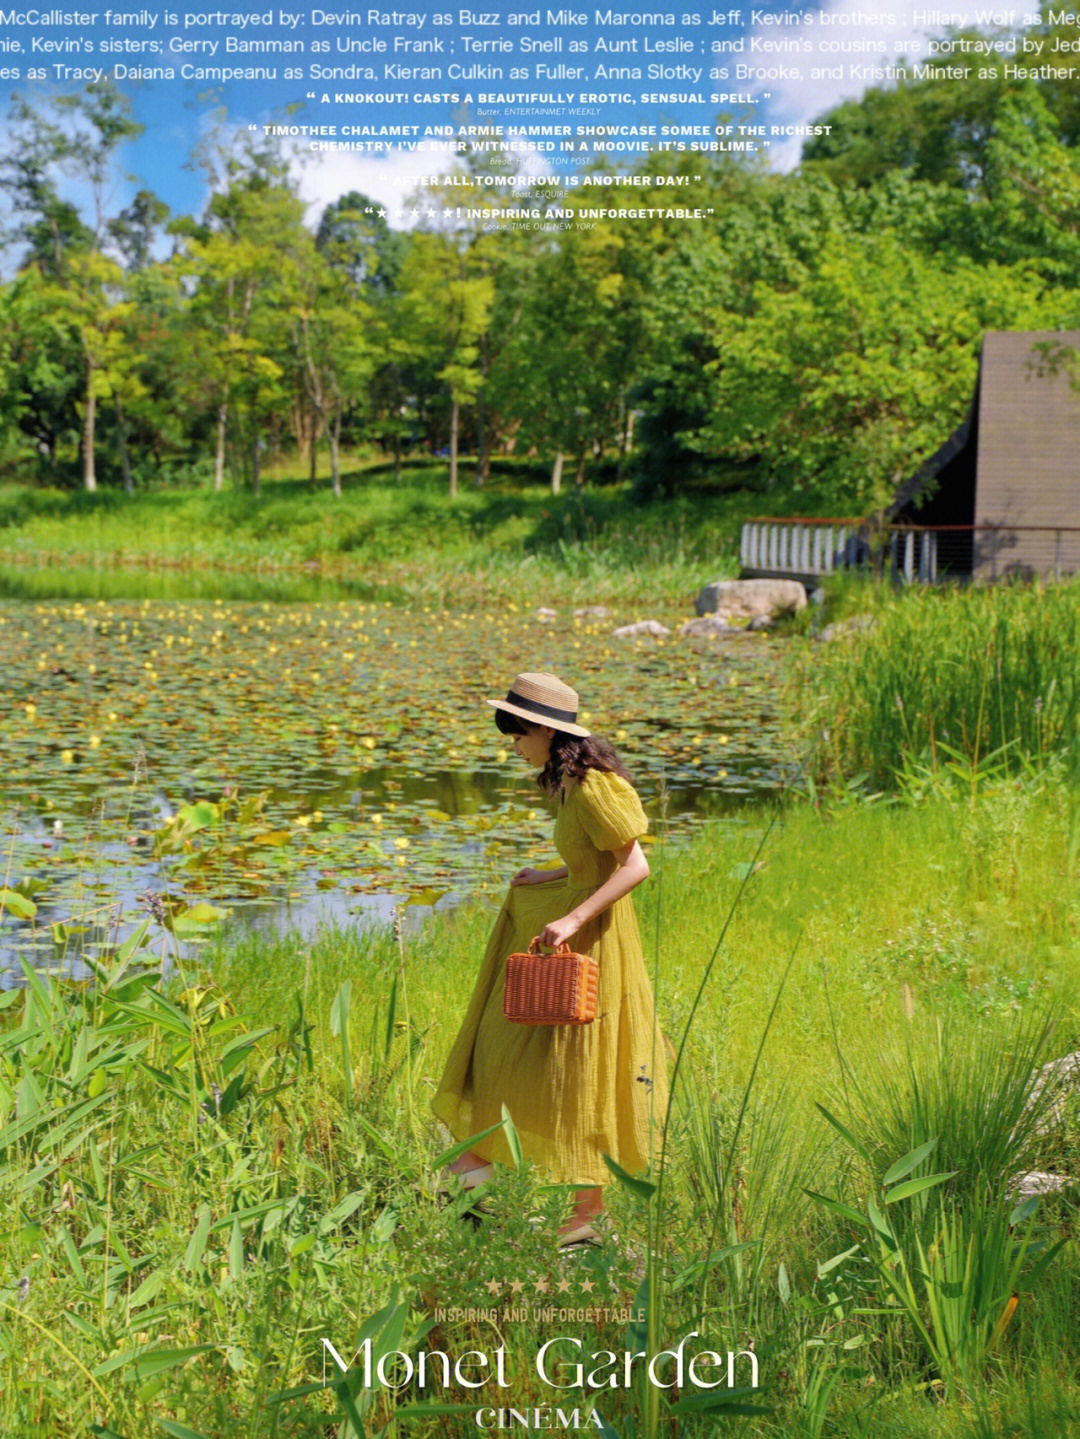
[[1008, 478], [999, 499]]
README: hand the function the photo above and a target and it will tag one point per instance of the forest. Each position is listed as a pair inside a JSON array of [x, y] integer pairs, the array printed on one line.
[[817, 331]]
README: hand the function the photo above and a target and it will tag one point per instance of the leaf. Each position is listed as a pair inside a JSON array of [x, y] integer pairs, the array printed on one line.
[[908, 1163], [196, 1245], [179, 1431], [845, 1210], [643, 1188], [145, 1363], [847, 1134], [17, 904], [197, 816], [512, 1138], [916, 1186]]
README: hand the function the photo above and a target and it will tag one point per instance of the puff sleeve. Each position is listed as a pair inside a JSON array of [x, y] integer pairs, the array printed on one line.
[[611, 812]]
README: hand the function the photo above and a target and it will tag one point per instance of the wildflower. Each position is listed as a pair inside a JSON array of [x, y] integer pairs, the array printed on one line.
[[155, 904]]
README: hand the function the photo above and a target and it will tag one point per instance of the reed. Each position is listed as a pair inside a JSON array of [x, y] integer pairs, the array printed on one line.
[[953, 685]]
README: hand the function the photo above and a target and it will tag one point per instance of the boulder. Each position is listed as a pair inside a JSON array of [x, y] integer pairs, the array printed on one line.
[[545, 615], [592, 612], [709, 627], [643, 627], [747, 599]]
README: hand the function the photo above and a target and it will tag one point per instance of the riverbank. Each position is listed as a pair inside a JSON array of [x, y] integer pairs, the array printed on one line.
[[199, 1188], [387, 540]]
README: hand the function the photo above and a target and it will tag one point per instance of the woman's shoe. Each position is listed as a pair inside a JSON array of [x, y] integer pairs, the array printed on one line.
[[581, 1234], [473, 1178], [467, 1179]]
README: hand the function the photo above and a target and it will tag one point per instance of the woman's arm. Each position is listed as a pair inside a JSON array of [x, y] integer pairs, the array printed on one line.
[[539, 876], [633, 868]]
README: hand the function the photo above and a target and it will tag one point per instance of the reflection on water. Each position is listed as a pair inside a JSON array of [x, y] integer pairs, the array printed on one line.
[[301, 763]]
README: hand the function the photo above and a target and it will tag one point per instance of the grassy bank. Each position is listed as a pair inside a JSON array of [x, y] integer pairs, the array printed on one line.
[[969, 684], [512, 539], [198, 1186]]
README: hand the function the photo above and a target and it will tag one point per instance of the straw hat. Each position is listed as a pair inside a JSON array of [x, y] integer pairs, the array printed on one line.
[[545, 700]]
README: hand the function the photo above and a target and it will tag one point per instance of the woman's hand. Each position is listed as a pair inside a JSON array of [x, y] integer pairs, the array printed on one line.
[[537, 876], [560, 930]]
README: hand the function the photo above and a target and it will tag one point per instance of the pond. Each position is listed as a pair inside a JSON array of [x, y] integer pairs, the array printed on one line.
[[179, 764]]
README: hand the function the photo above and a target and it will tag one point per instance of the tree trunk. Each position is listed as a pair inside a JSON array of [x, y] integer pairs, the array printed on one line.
[[579, 473], [313, 449], [89, 477], [333, 434], [397, 458], [455, 416], [556, 473], [219, 455], [483, 458], [125, 458], [254, 460]]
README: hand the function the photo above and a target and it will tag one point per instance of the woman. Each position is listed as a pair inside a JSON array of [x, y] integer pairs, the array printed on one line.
[[574, 1092]]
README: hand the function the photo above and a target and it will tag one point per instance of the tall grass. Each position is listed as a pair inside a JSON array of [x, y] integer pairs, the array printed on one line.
[[973, 683], [199, 1180]]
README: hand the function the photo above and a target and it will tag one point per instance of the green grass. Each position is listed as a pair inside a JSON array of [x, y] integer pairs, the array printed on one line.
[[512, 539], [172, 1178], [969, 684]]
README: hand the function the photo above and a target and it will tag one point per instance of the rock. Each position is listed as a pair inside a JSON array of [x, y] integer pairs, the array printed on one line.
[[545, 616], [844, 629], [1039, 1181], [761, 622], [746, 599], [709, 626], [1059, 1075], [592, 612], [643, 627]]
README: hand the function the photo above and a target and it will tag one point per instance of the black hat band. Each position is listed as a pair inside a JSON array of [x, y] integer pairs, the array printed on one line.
[[548, 711]]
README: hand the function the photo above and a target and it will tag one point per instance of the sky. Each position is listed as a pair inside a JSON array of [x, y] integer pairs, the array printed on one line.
[[782, 45]]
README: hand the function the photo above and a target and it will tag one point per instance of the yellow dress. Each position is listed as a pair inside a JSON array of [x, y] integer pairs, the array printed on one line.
[[574, 1092]]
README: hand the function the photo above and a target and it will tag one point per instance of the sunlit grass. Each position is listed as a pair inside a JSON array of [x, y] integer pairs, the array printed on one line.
[[969, 683], [243, 1195], [511, 539]]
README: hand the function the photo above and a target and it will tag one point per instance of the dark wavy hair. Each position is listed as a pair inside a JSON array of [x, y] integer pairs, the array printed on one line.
[[572, 756]]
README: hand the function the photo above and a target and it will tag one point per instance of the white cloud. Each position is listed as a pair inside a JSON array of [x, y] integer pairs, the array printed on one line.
[[880, 37], [390, 178]]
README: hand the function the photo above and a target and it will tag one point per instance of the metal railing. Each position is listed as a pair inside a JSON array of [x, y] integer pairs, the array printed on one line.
[[916, 554]]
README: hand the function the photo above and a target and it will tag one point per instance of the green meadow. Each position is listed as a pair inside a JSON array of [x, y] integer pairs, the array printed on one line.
[[216, 1154], [202, 1181], [390, 539]]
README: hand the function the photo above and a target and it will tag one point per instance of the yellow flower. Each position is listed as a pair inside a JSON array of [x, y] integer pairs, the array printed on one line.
[[376, 819], [500, 755], [368, 742], [302, 819], [401, 842], [31, 709], [95, 740], [67, 755]]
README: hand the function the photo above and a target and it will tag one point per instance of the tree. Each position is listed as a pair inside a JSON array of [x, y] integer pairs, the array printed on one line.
[[81, 135]]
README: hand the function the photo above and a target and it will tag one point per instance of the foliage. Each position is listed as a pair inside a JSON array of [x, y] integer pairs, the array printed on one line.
[[816, 336], [969, 683]]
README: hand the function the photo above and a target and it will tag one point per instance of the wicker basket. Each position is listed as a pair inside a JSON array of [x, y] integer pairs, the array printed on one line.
[[557, 988]]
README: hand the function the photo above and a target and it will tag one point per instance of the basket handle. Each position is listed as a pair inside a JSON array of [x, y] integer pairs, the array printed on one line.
[[534, 946]]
